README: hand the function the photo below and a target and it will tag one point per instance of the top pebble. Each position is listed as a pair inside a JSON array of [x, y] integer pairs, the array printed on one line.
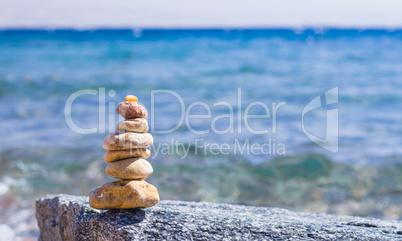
[[132, 98]]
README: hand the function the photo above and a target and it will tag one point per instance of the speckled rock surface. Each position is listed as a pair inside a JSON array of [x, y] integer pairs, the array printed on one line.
[[64, 217]]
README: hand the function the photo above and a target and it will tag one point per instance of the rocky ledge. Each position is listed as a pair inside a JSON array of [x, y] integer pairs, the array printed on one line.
[[64, 217]]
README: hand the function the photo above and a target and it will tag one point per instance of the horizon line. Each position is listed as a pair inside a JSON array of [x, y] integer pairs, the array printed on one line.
[[300, 28]]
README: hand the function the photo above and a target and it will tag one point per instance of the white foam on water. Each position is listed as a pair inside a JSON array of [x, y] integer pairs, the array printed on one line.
[[4, 188], [6, 233]]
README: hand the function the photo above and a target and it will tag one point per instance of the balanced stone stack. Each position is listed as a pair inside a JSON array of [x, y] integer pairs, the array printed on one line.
[[126, 157]]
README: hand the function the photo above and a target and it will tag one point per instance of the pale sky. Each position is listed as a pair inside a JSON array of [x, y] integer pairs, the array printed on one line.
[[199, 13]]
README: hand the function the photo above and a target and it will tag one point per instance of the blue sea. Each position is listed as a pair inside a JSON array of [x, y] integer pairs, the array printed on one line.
[[41, 154]]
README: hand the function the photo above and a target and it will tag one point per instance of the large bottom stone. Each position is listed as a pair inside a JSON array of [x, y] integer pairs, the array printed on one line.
[[123, 194], [65, 217]]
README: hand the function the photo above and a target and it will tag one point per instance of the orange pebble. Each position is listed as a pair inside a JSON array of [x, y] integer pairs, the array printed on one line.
[[131, 98]]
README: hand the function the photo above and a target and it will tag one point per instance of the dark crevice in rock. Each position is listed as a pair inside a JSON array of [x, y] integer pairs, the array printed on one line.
[[367, 225]]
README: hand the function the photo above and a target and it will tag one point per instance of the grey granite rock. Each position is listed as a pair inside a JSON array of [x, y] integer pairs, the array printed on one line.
[[64, 217]]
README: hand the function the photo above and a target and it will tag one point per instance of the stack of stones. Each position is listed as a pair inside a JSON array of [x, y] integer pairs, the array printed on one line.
[[126, 157]]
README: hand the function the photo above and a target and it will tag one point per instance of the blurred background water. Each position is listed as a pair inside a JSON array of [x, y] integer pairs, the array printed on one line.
[[40, 154]]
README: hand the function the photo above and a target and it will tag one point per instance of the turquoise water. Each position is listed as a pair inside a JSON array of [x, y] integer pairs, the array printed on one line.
[[39, 70], [40, 154]]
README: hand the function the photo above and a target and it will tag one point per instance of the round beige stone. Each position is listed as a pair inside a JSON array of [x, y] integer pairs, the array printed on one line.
[[130, 169], [126, 141], [112, 156], [135, 125], [124, 194]]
